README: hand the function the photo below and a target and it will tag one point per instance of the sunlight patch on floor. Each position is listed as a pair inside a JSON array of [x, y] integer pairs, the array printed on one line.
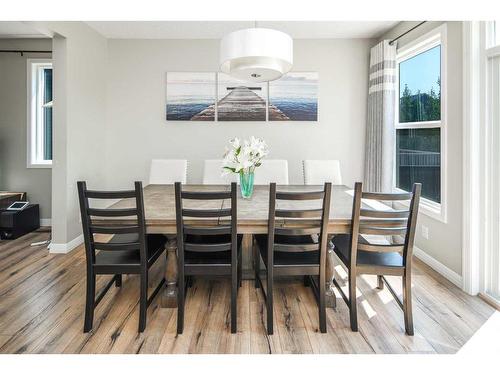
[[371, 280], [368, 309]]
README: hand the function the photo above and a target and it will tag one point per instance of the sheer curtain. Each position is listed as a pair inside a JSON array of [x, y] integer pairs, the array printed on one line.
[[379, 151]]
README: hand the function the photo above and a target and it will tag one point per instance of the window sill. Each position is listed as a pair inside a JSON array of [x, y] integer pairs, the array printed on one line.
[[433, 210], [427, 207], [41, 165]]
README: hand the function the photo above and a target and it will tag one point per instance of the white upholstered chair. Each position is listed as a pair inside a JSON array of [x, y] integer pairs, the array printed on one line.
[[317, 172], [272, 171], [167, 171], [212, 174]]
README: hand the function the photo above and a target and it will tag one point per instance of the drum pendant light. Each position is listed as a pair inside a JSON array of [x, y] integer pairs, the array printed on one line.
[[256, 54]]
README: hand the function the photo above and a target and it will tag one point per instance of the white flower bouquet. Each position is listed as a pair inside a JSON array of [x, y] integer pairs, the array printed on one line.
[[243, 157]]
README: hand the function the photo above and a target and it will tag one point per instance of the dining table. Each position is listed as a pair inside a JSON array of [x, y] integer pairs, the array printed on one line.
[[252, 213]]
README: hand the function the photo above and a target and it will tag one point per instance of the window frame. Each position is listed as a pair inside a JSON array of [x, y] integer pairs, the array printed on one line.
[[424, 43], [34, 129]]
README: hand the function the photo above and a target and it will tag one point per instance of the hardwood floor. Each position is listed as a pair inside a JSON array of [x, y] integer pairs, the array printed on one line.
[[42, 298]]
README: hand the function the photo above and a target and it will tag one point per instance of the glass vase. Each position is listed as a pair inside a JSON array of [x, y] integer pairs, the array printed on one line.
[[246, 184]]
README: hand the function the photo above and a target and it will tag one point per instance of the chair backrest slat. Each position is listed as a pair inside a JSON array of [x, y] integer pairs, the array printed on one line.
[[122, 194], [302, 233], [392, 223], [383, 248], [204, 248], [98, 229], [206, 213], [299, 213], [297, 231], [296, 248], [387, 196], [112, 212], [206, 195], [384, 214], [201, 231], [382, 231], [294, 196], [117, 246], [125, 237]]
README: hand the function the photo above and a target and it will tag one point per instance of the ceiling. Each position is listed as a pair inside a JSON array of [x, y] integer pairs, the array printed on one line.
[[18, 29], [217, 29]]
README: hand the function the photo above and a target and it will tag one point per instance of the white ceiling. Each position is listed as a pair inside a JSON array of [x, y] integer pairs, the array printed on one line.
[[217, 29], [18, 29]]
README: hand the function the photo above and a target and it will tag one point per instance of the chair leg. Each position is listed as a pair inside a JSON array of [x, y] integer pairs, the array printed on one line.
[[240, 269], [190, 281], [118, 281], [380, 282], [234, 296], [180, 303], [407, 305], [307, 281], [256, 265], [143, 301], [269, 300], [89, 302], [353, 312], [322, 303]]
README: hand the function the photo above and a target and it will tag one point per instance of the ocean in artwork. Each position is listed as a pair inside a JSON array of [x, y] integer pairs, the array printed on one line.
[[294, 97], [190, 96]]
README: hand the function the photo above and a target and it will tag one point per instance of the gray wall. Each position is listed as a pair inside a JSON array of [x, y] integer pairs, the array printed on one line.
[[80, 63], [137, 131], [14, 175], [445, 239]]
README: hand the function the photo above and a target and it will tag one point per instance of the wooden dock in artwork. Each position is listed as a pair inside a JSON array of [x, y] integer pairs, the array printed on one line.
[[241, 104]]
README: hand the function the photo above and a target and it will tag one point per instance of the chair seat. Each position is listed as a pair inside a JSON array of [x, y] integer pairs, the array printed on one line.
[[282, 258], [369, 258], [155, 246], [212, 257]]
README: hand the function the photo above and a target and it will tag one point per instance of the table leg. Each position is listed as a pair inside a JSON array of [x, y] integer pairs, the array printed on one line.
[[331, 299], [169, 297]]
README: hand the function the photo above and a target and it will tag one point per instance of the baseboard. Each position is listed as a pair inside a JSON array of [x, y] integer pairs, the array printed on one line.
[[64, 248], [439, 267], [46, 222]]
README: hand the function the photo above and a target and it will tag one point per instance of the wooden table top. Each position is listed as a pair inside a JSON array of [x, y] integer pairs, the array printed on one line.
[[159, 206]]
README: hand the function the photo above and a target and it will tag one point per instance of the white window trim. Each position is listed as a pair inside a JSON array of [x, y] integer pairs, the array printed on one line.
[[437, 36], [479, 201], [33, 92], [492, 181]]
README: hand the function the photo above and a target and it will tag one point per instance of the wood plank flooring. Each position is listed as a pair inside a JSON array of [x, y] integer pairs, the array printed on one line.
[[42, 298]]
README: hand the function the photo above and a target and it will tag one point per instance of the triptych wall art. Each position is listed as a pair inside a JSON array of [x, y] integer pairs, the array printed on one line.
[[193, 96]]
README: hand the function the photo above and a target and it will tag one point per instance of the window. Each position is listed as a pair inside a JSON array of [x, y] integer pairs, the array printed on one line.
[[39, 113], [420, 120]]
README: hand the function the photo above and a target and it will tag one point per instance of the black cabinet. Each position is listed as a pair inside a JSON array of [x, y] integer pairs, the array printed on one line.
[[14, 224]]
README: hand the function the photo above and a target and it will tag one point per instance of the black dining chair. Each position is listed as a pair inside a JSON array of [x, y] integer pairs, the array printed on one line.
[[373, 248], [295, 249], [129, 251], [213, 249]]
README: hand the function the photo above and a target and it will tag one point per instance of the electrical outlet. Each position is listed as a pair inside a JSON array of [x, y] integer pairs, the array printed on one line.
[[425, 232]]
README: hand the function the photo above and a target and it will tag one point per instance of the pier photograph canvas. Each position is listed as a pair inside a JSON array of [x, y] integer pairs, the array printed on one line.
[[190, 96], [239, 100], [294, 97]]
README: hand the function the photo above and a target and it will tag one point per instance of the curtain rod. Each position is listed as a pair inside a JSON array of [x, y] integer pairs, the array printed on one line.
[[406, 32], [22, 52]]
